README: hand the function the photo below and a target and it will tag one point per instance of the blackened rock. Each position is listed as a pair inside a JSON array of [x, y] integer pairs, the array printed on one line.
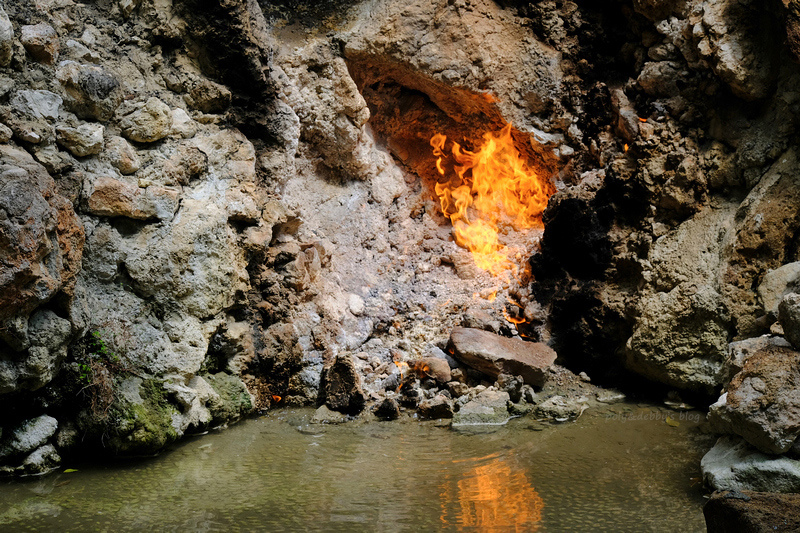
[[512, 385], [341, 386], [388, 409], [493, 355]]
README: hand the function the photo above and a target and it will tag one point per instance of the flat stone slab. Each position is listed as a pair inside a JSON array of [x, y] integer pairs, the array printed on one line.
[[489, 408], [494, 355]]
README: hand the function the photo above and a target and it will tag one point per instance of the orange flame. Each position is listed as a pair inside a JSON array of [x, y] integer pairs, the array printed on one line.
[[492, 186], [276, 398]]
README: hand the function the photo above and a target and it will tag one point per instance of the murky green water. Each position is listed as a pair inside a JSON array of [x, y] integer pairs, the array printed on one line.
[[604, 472]]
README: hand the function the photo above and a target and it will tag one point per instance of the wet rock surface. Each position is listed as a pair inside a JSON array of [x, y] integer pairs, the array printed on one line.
[[749, 511]]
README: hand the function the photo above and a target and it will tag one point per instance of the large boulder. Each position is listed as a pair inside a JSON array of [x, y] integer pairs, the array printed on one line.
[[41, 238], [494, 355], [762, 403], [732, 464], [27, 436]]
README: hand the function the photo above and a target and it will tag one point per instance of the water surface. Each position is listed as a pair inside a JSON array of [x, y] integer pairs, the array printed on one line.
[[622, 469]]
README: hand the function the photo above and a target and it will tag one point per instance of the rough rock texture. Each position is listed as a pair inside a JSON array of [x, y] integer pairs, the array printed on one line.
[[789, 318], [41, 238], [489, 408], [762, 402], [752, 512], [734, 465], [341, 386], [146, 121], [493, 355]]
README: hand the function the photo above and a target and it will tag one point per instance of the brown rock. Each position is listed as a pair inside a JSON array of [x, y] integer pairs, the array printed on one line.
[[341, 386], [752, 512], [762, 404], [435, 368], [41, 42], [435, 408], [112, 198], [388, 409], [41, 238], [493, 355]]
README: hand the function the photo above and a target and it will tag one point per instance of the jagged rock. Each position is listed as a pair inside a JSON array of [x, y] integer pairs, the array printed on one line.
[[41, 42], [182, 124], [86, 139], [789, 317], [734, 465], [92, 92], [776, 284], [122, 155], [762, 403], [41, 238], [740, 351], [493, 355], [742, 39], [5, 133], [435, 408], [752, 512], [341, 385], [209, 97], [27, 436], [512, 385], [388, 409], [6, 39], [489, 408], [145, 121], [111, 198]]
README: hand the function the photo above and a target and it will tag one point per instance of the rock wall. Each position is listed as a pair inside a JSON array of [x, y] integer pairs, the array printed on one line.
[[205, 205]]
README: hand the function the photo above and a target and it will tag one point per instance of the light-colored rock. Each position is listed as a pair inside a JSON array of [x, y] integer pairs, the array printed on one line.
[[28, 436], [6, 39], [209, 97], [740, 351], [42, 460], [41, 42], [356, 304], [145, 121], [37, 104], [86, 139], [489, 408], [777, 283], [112, 198], [323, 415], [92, 92], [435, 408], [734, 465], [560, 408], [762, 403], [182, 124], [789, 318], [122, 155], [493, 355]]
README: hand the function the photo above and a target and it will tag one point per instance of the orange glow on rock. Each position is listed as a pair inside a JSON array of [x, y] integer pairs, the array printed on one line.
[[489, 188]]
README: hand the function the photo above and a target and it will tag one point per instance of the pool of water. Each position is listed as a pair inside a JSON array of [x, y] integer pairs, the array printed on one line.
[[627, 468]]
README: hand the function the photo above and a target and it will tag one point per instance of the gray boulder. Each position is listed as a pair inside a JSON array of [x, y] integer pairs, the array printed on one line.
[[92, 92], [28, 436], [6, 39], [489, 408], [734, 465], [789, 317]]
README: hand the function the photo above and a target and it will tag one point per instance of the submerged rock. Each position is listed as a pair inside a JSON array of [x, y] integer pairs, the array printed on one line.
[[493, 355], [489, 408], [752, 512]]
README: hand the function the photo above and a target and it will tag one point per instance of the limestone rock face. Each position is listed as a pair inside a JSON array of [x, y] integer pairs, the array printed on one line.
[[110, 197], [41, 238], [92, 91], [86, 139], [28, 436], [6, 39], [762, 403], [493, 355], [146, 122]]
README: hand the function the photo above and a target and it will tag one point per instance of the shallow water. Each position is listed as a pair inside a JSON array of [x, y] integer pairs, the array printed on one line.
[[624, 469]]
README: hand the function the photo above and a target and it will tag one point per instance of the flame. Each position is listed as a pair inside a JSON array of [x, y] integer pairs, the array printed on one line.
[[513, 319], [490, 188], [276, 398]]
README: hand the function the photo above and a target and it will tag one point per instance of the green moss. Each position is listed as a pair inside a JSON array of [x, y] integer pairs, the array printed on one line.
[[234, 399], [142, 428]]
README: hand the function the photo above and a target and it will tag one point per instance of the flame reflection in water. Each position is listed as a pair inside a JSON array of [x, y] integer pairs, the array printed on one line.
[[491, 497]]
